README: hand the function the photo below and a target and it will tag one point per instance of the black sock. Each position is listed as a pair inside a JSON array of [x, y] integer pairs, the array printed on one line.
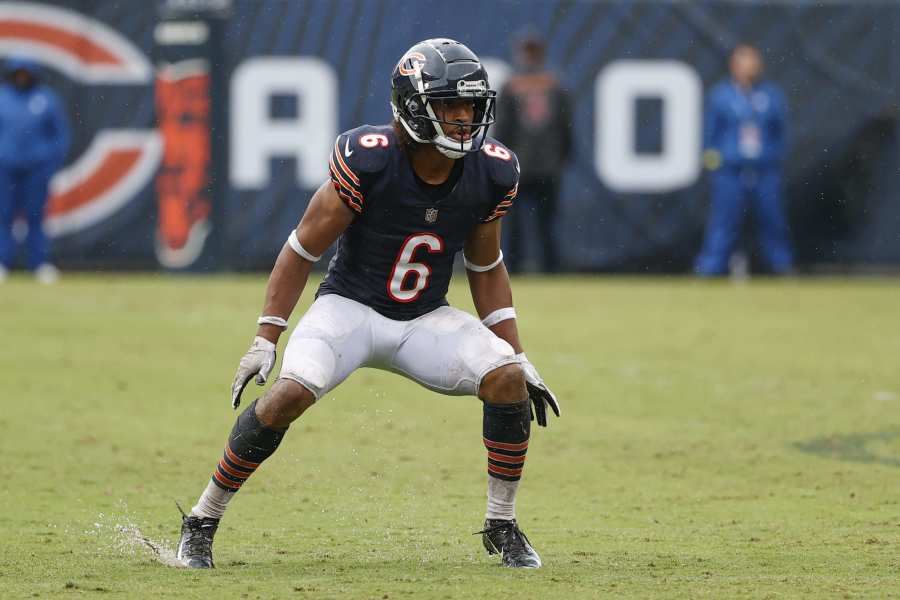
[[506, 430], [249, 444]]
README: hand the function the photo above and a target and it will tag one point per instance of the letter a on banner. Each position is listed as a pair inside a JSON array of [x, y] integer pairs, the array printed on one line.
[[617, 161], [256, 137]]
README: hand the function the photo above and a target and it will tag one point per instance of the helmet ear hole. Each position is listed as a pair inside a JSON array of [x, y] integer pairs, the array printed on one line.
[[417, 124]]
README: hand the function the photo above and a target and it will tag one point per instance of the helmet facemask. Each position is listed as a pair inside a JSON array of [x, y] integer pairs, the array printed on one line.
[[419, 119]]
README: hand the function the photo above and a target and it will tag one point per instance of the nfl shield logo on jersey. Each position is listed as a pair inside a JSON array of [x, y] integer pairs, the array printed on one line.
[[430, 215]]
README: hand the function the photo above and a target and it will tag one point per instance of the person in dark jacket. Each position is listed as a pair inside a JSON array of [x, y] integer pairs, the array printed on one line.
[[534, 121], [34, 140], [745, 136]]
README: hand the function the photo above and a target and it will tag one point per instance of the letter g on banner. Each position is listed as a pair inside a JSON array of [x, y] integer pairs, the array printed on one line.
[[618, 88], [117, 163]]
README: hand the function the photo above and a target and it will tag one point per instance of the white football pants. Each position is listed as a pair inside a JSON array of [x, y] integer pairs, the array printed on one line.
[[447, 350]]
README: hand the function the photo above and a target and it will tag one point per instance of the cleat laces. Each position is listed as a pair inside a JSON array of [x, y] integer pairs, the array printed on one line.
[[199, 541], [515, 537]]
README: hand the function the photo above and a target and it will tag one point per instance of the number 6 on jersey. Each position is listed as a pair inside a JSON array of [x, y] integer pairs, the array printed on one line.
[[404, 267]]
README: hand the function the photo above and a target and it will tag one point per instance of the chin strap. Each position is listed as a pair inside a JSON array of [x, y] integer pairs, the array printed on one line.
[[454, 154]]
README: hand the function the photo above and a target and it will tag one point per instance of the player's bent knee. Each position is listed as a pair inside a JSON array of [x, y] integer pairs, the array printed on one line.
[[504, 385], [283, 403]]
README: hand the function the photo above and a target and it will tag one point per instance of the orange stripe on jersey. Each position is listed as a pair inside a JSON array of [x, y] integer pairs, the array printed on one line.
[[344, 193], [239, 461], [504, 204], [350, 201], [504, 446], [338, 172], [347, 170], [344, 183]]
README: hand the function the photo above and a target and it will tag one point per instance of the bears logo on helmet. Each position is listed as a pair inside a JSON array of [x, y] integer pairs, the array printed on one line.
[[410, 62]]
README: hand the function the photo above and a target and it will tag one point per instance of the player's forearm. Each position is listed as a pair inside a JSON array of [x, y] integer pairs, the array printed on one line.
[[507, 330], [284, 289], [491, 292]]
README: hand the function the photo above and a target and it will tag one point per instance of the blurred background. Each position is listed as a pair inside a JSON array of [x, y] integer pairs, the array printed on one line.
[[200, 128]]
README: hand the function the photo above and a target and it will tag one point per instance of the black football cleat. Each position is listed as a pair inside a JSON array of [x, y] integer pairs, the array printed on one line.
[[195, 545], [506, 539]]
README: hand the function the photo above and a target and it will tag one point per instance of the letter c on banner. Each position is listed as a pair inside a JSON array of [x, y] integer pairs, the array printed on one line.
[[616, 159]]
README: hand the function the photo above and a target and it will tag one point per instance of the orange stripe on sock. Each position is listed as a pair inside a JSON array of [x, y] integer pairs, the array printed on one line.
[[233, 472], [503, 470], [513, 460], [502, 446], [239, 461], [225, 481]]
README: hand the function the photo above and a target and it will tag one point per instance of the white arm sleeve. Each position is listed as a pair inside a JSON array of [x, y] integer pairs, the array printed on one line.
[[482, 269], [296, 247], [501, 314]]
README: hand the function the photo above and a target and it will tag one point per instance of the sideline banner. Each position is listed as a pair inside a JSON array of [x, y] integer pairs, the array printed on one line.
[[202, 127]]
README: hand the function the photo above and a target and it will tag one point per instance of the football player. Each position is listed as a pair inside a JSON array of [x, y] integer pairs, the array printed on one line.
[[402, 201]]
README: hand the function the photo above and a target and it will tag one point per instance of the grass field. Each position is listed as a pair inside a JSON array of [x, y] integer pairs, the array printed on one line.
[[717, 441]]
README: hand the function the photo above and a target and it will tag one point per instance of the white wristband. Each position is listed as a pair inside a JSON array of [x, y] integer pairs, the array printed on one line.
[[479, 268], [296, 247], [501, 314], [270, 320]]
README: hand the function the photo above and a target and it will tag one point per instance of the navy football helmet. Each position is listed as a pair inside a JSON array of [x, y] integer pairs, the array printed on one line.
[[441, 69]]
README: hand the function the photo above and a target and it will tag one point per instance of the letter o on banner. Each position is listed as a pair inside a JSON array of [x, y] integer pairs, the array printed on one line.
[[498, 71], [618, 87]]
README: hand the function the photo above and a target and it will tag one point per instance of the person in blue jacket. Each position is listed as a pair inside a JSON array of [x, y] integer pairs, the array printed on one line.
[[34, 140], [744, 139]]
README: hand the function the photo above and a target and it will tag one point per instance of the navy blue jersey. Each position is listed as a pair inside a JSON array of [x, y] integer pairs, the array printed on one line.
[[397, 254]]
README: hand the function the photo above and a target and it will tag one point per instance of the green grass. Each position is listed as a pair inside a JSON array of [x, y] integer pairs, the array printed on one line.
[[717, 441]]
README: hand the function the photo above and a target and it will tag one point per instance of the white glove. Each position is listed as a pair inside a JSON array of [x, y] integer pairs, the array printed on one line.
[[259, 360], [538, 392]]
